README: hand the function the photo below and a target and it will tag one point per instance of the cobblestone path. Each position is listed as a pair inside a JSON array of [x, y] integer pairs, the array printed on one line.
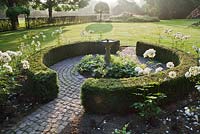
[[54, 117]]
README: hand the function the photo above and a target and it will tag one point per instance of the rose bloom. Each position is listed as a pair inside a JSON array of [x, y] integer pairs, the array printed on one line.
[[170, 65], [151, 53], [158, 69], [172, 74], [5, 57]]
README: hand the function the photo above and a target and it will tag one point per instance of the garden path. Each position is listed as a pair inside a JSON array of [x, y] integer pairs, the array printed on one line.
[[54, 117]]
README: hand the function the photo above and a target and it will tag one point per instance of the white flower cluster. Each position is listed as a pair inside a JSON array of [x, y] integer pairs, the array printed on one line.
[[172, 74], [180, 36], [151, 53], [25, 64], [141, 71], [36, 37], [193, 71], [7, 57], [7, 68], [37, 45]]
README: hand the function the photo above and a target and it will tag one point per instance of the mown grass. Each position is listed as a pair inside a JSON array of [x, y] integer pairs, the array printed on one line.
[[127, 33], [99, 28]]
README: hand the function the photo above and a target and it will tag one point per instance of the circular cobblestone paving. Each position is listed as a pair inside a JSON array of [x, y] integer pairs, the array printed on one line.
[[54, 117]]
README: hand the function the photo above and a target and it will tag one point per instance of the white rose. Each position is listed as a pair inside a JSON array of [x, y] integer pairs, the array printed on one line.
[[25, 64], [138, 69], [151, 53], [194, 70], [19, 53], [147, 71], [170, 65], [188, 74], [11, 53], [158, 69], [8, 68], [5, 57], [198, 87], [172, 74], [141, 72]]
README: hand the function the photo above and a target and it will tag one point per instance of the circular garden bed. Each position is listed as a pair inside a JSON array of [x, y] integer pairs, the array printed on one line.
[[117, 95]]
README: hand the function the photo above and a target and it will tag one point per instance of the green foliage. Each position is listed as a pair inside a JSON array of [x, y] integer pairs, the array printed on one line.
[[121, 67], [42, 82], [127, 6], [102, 7], [8, 86], [99, 28], [59, 5], [196, 24], [170, 9], [15, 11], [92, 65], [33, 22], [134, 18], [149, 107], [123, 131], [42, 86], [5, 25], [117, 95]]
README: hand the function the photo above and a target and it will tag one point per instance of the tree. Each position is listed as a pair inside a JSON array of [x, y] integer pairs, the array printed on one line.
[[127, 6], [171, 9], [101, 8], [58, 5], [14, 8]]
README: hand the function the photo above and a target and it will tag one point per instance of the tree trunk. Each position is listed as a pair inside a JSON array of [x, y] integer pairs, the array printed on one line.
[[100, 16], [14, 22], [14, 19], [50, 10]]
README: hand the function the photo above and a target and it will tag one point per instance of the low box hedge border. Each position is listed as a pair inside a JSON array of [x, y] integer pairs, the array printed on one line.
[[42, 81], [104, 96]]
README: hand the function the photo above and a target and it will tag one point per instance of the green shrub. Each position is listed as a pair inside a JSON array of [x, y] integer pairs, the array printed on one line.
[[5, 25], [117, 95], [134, 18], [8, 86], [94, 66], [42, 81]]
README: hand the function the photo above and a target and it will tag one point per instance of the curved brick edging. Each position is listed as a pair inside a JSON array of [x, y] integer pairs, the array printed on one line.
[[54, 117]]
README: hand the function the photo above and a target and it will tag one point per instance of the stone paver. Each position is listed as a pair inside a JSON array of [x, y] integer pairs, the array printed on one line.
[[55, 116]]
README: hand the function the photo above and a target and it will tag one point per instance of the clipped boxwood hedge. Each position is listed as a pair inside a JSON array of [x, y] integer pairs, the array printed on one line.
[[42, 81], [116, 95]]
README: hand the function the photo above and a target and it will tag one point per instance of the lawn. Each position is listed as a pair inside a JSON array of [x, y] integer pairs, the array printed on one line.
[[127, 33]]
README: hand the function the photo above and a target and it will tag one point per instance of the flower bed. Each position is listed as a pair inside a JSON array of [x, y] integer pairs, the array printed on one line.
[[117, 95]]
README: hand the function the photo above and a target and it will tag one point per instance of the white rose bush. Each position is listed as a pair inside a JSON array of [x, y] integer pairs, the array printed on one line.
[[151, 53], [178, 38]]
